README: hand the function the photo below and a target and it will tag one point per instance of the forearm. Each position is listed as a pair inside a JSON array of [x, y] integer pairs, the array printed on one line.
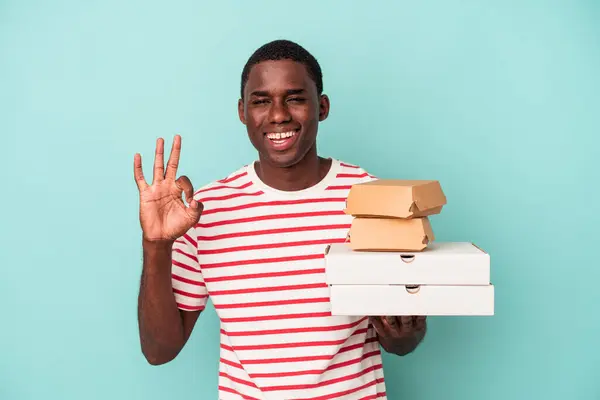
[[402, 345], [160, 323]]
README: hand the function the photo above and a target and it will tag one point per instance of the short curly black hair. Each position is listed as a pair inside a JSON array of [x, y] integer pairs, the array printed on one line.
[[284, 50]]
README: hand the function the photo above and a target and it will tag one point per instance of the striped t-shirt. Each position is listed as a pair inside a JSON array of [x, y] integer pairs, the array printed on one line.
[[258, 253]]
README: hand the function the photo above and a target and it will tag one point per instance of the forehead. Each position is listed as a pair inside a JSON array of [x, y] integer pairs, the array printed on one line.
[[279, 76]]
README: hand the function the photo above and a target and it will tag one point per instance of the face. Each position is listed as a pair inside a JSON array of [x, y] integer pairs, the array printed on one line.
[[282, 110]]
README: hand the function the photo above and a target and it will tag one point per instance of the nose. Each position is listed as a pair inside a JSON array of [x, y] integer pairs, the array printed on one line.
[[279, 113]]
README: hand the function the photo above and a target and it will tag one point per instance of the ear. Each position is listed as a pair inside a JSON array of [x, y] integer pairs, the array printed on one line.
[[241, 113], [323, 107]]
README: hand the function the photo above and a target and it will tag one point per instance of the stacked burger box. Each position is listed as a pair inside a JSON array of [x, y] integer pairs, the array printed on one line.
[[391, 263]]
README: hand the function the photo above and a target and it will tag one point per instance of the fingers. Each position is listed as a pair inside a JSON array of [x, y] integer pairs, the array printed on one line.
[[195, 208], [159, 161], [391, 322], [173, 162], [138, 174], [412, 323], [185, 184], [390, 326], [378, 325], [385, 326], [420, 322], [406, 322]]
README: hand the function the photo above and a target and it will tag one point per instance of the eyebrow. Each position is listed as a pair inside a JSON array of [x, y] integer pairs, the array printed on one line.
[[262, 93]]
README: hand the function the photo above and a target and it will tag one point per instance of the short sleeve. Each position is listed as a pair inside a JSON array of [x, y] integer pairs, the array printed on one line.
[[186, 276]]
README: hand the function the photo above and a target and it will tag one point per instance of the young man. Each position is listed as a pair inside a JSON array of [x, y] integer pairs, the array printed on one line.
[[254, 242]]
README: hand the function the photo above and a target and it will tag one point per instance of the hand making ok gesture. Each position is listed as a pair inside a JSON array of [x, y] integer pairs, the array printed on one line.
[[163, 214]]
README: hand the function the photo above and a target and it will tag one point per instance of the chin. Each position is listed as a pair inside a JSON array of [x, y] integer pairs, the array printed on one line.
[[283, 160]]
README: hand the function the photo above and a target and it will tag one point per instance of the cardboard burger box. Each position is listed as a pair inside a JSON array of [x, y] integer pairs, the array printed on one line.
[[393, 215], [395, 198], [390, 234], [391, 264]]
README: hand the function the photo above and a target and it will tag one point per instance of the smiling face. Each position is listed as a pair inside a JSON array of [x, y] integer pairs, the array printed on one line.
[[281, 110]]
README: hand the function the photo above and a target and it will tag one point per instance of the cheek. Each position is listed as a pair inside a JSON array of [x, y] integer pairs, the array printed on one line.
[[254, 119], [309, 118], [305, 115]]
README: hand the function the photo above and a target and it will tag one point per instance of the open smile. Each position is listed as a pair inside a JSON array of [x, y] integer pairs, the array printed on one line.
[[281, 141]]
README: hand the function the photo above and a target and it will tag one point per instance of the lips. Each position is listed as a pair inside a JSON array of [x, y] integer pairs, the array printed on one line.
[[281, 141]]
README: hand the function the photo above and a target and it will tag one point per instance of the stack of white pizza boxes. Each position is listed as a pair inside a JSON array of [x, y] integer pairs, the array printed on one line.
[[391, 263]]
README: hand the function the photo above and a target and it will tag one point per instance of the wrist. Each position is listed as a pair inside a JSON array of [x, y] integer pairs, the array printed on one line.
[[157, 247], [156, 240]]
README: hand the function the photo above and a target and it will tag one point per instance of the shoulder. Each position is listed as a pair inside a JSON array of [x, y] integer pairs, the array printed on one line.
[[353, 173], [234, 178], [225, 187]]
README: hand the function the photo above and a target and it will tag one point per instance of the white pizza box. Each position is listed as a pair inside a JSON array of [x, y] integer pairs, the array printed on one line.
[[441, 263], [398, 300]]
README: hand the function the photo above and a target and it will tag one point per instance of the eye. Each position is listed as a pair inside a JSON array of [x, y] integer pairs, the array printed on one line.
[[258, 102], [297, 99]]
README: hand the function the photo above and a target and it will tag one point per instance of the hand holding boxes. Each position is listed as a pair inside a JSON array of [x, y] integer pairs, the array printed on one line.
[[391, 264]]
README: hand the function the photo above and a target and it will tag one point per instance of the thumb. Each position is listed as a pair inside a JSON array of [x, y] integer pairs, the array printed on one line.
[[195, 210]]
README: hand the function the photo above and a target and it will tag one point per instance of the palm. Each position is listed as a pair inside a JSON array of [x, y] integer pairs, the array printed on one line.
[[163, 214]]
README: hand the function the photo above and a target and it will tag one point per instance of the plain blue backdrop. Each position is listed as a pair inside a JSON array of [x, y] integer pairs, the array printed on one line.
[[499, 100]]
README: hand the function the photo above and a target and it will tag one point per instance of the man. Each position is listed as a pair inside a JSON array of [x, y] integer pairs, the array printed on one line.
[[254, 242]]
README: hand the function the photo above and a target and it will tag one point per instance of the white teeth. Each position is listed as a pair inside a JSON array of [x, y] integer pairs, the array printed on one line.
[[277, 136]]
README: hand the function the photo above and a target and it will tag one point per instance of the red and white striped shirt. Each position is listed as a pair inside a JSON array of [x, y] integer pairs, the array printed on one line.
[[258, 253]]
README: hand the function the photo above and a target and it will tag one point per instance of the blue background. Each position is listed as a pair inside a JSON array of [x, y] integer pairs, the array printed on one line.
[[498, 100]]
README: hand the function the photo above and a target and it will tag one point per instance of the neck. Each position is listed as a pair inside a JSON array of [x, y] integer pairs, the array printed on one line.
[[306, 173]]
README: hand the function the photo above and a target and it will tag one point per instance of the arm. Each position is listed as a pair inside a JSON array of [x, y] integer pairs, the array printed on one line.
[[169, 247], [400, 335], [163, 328]]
